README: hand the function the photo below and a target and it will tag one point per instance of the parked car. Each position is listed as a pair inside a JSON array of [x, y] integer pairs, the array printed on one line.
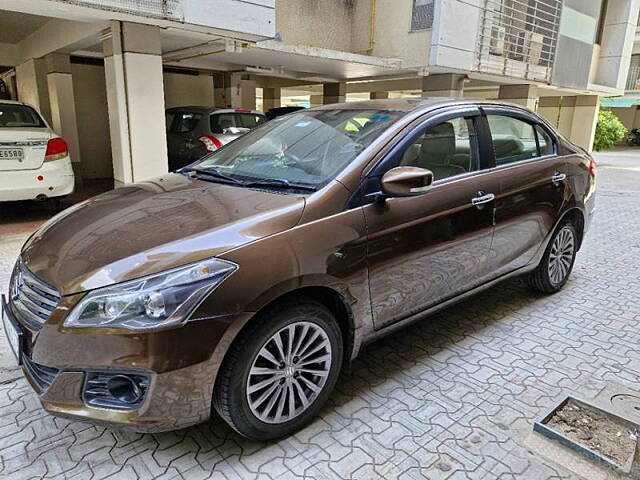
[[192, 132], [279, 111], [243, 283], [34, 161]]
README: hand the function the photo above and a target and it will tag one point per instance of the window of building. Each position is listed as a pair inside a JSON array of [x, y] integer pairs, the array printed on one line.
[[422, 16]]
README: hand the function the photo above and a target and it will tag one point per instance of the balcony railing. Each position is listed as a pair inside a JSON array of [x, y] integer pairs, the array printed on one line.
[[633, 79], [518, 38], [165, 9]]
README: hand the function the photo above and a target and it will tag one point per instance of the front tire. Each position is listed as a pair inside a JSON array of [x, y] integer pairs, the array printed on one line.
[[280, 371], [557, 262]]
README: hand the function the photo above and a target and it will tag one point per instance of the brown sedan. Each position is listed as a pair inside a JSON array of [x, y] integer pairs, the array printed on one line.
[[244, 283]]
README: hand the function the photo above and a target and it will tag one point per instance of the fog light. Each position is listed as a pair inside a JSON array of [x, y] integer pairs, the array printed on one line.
[[115, 391], [124, 389]]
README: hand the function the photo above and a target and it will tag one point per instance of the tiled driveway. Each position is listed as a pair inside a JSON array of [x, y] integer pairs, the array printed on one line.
[[451, 397]]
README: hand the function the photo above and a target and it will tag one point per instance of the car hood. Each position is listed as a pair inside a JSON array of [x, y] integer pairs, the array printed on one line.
[[152, 226]]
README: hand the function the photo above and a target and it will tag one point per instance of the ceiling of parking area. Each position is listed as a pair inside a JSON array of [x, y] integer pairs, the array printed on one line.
[[15, 26]]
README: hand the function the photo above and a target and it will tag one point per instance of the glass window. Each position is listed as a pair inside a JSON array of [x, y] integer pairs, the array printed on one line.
[[14, 115], [221, 121], [182, 122], [513, 139], [309, 147], [422, 14], [447, 149], [249, 120], [545, 142]]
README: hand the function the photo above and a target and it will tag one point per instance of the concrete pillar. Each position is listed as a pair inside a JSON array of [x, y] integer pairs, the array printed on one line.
[[270, 98], [585, 118], [525, 95], [334, 93], [135, 98], [31, 77], [443, 85], [378, 95], [315, 100], [234, 90], [574, 116], [63, 108]]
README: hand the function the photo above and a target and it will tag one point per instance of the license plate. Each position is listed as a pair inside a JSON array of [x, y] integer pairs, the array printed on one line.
[[11, 332], [11, 154]]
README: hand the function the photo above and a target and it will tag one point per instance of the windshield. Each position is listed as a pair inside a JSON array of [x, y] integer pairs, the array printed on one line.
[[306, 148], [12, 115]]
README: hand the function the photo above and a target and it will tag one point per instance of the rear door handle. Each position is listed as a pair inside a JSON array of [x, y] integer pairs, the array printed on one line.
[[558, 177], [482, 198]]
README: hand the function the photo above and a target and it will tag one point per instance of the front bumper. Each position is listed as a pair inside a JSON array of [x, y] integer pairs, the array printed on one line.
[[57, 180], [177, 397]]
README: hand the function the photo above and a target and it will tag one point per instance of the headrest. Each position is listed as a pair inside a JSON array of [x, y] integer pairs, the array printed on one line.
[[438, 143]]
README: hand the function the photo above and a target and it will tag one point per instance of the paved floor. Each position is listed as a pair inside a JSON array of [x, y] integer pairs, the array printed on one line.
[[451, 397]]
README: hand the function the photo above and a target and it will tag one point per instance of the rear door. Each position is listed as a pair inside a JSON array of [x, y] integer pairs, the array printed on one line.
[[182, 137], [425, 249], [532, 186], [23, 137]]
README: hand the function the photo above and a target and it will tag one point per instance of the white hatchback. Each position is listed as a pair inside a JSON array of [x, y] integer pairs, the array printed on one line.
[[34, 161]]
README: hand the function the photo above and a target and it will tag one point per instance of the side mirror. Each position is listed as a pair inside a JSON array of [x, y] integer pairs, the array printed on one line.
[[406, 181]]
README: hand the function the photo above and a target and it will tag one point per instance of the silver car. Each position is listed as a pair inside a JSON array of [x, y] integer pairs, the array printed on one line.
[[194, 131]]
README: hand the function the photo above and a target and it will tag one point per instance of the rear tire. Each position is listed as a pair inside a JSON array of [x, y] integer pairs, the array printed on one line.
[[266, 387], [557, 262]]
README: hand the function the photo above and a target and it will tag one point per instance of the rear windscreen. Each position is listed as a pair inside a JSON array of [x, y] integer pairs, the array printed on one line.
[[182, 122], [19, 116], [222, 121]]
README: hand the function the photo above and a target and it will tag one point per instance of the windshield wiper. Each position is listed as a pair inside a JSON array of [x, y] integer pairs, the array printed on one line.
[[214, 173], [278, 183]]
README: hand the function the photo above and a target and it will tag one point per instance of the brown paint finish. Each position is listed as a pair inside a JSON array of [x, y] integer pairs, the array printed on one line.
[[386, 262]]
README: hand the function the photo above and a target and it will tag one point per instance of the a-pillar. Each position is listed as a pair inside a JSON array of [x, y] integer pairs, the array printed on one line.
[[135, 98], [334, 93], [443, 85], [585, 118], [270, 98], [378, 95], [525, 95], [63, 109], [234, 90]]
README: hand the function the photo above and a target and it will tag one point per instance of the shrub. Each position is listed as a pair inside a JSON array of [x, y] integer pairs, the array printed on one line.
[[609, 131]]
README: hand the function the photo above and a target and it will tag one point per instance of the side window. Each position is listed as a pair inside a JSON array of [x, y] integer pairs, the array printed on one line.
[[545, 142], [221, 121], [513, 139], [447, 149]]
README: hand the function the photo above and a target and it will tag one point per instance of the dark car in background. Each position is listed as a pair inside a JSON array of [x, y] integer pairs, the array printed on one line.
[[194, 131], [279, 111]]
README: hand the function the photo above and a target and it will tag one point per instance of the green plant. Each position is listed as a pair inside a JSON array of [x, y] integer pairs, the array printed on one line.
[[609, 131]]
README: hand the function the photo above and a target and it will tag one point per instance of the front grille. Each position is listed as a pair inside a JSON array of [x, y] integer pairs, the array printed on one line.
[[43, 376], [31, 299]]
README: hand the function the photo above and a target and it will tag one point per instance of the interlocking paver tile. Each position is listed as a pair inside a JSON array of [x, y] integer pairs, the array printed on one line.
[[451, 397]]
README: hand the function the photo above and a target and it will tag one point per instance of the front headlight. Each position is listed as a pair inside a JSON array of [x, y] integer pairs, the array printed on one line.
[[160, 300]]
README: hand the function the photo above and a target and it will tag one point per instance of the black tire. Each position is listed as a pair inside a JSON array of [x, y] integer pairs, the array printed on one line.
[[541, 279], [230, 392]]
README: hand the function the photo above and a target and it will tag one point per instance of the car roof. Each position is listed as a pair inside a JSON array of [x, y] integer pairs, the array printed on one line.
[[415, 104], [204, 109], [12, 102]]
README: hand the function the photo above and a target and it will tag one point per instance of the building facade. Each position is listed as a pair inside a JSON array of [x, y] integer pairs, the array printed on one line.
[[113, 66]]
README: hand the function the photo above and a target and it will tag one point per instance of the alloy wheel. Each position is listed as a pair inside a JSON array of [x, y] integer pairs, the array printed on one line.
[[561, 255], [289, 372]]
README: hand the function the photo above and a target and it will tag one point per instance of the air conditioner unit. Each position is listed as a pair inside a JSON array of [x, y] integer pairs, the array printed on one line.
[[498, 33], [529, 47]]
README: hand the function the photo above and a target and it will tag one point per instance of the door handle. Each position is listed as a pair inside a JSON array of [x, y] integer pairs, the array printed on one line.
[[558, 177], [482, 198]]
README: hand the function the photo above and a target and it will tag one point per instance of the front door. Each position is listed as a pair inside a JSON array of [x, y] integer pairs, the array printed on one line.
[[532, 188], [425, 249]]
